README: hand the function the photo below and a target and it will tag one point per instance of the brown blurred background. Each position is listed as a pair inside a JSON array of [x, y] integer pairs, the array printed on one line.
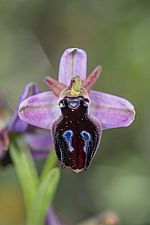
[[116, 34]]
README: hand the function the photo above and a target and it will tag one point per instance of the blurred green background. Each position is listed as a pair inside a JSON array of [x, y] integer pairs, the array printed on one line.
[[116, 34]]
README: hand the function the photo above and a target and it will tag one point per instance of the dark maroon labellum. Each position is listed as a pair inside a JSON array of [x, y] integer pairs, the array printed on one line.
[[76, 134]]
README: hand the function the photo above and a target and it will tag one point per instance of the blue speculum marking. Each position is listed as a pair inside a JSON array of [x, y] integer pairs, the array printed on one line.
[[68, 135], [87, 138], [73, 103]]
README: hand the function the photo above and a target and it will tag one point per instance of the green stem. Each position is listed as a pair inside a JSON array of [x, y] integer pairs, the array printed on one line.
[[26, 171], [38, 191], [44, 197], [49, 164]]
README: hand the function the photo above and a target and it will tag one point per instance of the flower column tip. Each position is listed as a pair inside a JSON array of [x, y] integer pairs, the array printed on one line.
[[73, 62]]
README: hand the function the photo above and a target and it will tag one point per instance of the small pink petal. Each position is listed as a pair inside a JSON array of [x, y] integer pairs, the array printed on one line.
[[92, 78], [40, 110], [54, 85], [111, 111], [72, 63]]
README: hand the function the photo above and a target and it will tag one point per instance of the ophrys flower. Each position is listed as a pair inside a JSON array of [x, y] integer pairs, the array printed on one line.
[[14, 127], [76, 114]]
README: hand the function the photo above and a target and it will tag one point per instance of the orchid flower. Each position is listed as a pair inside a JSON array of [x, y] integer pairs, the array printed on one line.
[[15, 126], [105, 111]]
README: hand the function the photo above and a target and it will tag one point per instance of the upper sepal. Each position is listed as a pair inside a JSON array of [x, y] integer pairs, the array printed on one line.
[[73, 62]]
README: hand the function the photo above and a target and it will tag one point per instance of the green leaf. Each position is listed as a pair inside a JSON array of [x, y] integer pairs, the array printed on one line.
[[26, 171], [49, 164], [44, 197]]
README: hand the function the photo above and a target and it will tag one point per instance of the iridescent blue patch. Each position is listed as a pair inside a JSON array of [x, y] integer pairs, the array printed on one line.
[[87, 138], [73, 103], [68, 135]]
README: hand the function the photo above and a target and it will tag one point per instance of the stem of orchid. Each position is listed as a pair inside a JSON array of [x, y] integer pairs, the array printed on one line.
[[38, 191], [49, 164], [26, 172], [44, 197]]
